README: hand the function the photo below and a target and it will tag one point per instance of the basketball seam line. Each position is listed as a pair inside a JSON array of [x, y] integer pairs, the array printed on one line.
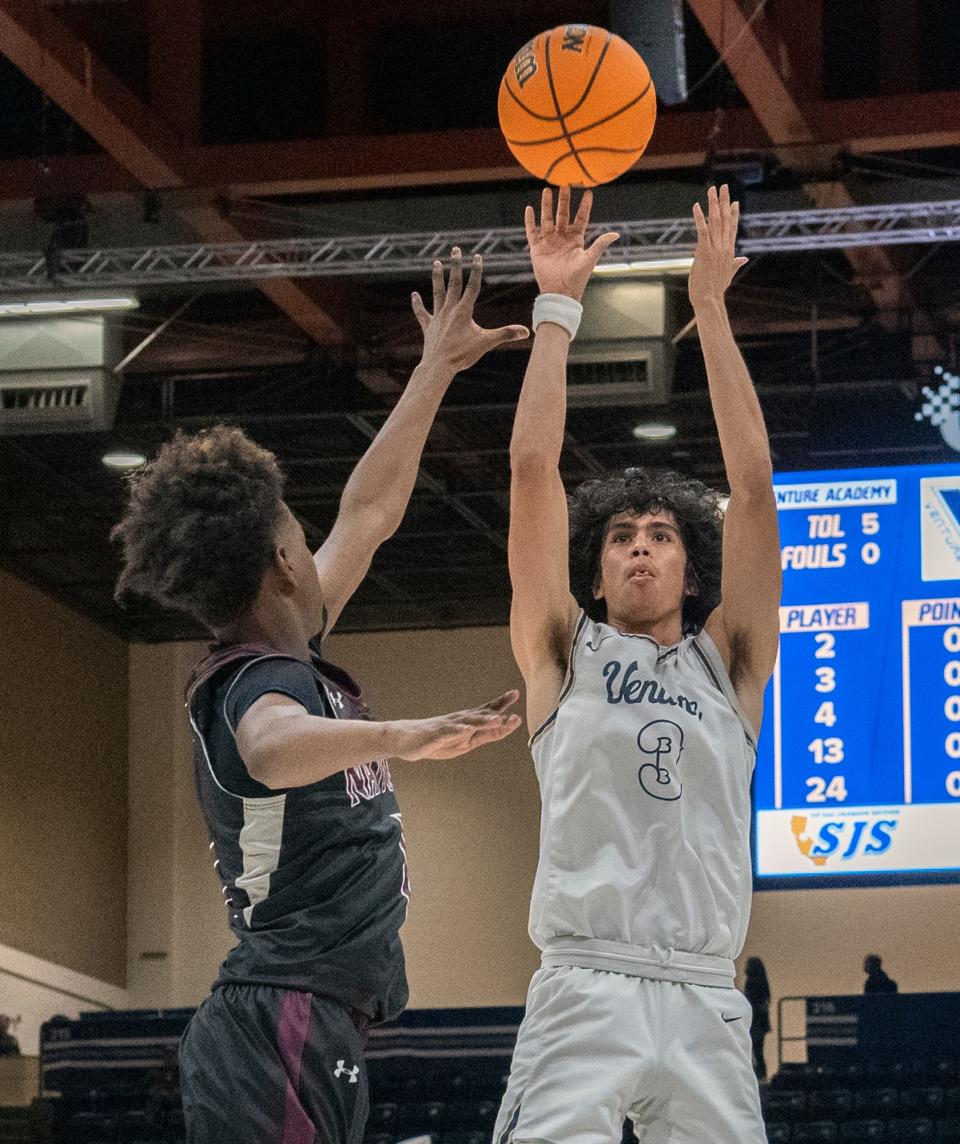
[[611, 150], [563, 126], [586, 91], [519, 102], [579, 130], [592, 151], [596, 71]]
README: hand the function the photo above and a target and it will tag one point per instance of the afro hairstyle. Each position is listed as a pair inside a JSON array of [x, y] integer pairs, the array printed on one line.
[[199, 530]]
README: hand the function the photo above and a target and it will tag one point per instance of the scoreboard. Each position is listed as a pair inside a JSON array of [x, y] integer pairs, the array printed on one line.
[[858, 767]]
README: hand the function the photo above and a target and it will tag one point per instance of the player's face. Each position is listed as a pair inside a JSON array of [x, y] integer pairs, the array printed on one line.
[[298, 555], [643, 569]]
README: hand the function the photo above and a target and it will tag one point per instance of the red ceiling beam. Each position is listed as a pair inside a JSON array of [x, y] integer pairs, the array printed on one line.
[[61, 65], [750, 50], [875, 125]]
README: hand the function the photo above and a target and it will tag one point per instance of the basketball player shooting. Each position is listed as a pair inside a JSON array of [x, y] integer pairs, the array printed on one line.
[[291, 772], [645, 647]]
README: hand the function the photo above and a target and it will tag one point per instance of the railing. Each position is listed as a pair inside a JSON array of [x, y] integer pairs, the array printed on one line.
[[783, 1039]]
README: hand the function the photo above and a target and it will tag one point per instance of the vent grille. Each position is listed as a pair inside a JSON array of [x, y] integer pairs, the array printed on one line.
[[58, 401], [632, 373], [43, 398]]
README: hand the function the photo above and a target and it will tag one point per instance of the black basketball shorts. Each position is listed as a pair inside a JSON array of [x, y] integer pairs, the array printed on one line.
[[261, 1065]]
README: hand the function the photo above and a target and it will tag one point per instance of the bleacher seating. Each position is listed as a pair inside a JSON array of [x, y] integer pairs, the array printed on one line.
[[902, 1103], [15, 1126], [441, 1074]]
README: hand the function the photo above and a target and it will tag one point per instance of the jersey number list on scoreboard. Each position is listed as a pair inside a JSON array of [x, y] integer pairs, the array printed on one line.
[[858, 770]]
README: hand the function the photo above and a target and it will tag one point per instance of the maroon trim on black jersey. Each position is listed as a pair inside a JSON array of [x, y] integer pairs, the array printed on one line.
[[220, 655]]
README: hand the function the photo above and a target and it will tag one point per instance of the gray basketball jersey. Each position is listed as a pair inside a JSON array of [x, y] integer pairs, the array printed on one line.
[[644, 770]]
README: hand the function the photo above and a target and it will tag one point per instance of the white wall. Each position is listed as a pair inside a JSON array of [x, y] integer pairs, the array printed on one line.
[[35, 990], [177, 933], [63, 760]]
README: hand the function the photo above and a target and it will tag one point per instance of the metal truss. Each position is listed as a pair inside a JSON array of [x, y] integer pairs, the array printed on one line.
[[504, 249]]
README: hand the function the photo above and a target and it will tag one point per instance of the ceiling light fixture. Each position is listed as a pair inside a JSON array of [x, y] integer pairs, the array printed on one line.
[[123, 459], [654, 431], [41, 307]]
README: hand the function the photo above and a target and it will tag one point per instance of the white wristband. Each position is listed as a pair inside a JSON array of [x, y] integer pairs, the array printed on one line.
[[560, 309]]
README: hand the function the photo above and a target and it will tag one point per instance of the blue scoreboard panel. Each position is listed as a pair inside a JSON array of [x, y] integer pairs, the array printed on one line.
[[858, 769]]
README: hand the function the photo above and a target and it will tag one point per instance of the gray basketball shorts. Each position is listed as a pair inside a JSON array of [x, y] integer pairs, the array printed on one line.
[[597, 1047]]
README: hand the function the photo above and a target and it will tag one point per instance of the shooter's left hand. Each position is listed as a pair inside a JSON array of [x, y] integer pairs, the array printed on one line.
[[715, 261]]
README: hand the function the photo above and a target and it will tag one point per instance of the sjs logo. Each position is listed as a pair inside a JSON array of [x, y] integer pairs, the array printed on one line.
[[843, 838]]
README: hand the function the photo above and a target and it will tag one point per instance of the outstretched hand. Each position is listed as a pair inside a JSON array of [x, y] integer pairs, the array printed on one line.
[[449, 333], [714, 261], [560, 262], [447, 736]]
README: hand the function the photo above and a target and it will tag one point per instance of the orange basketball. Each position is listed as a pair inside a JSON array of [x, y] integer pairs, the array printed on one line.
[[577, 106]]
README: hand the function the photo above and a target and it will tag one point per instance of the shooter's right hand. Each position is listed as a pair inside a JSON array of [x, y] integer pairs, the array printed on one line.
[[560, 262]]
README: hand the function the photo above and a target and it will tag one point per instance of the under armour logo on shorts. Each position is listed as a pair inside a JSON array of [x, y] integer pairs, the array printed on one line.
[[351, 1073]]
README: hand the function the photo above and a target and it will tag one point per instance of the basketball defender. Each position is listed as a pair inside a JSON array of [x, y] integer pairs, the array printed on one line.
[[645, 656], [291, 772]]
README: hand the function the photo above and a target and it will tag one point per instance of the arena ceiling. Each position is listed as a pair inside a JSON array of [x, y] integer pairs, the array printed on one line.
[[149, 123]]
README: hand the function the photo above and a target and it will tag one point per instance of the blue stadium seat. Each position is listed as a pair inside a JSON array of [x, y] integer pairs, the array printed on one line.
[[478, 1084], [911, 1131], [821, 1076], [951, 1100], [382, 1118], [851, 1075], [422, 1117], [815, 1132], [473, 1113], [830, 1102], [465, 1136], [84, 1127], [788, 1076], [785, 1104], [779, 1132], [948, 1130], [862, 1132], [876, 1102], [806, 1076], [925, 1101]]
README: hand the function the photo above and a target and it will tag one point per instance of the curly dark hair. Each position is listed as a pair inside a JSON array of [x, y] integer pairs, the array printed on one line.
[[696, 509], [199, 529]]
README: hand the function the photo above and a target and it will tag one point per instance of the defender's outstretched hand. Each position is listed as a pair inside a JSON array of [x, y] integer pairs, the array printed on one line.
[[447, 736], [560, 262], [715, 261], [450, 334]]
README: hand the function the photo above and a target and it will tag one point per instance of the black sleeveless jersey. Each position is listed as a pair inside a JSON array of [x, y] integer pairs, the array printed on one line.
[[314, 878]]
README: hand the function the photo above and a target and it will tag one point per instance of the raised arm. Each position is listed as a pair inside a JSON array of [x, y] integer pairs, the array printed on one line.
[[543, 608], [745, 626], [378, 491]]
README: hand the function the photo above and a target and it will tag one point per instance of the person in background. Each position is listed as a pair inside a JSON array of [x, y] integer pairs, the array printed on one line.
[[756, 989], [877, 980], [9, 1046]]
